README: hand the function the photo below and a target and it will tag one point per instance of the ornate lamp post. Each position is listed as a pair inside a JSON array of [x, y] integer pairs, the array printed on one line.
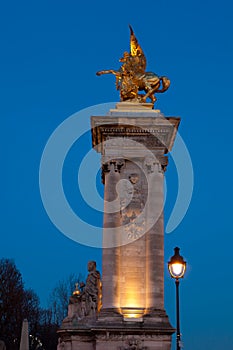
[[176, 267]]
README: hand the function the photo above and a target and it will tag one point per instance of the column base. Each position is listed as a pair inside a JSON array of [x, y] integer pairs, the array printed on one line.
[[112, 331]]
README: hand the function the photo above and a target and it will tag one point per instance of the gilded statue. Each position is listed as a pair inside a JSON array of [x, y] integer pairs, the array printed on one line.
[[132, 77]]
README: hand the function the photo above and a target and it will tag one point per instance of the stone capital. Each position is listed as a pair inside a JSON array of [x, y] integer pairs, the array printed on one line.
[[109, 164], [157, 162]]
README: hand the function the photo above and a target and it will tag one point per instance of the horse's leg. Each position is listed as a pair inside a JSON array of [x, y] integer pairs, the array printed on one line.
[[109, 71], [151, 90], [118, 82]]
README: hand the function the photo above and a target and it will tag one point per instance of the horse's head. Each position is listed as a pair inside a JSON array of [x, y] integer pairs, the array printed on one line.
[[125, 57]]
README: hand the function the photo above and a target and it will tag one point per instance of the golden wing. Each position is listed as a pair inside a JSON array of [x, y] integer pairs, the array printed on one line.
[[136, 50]]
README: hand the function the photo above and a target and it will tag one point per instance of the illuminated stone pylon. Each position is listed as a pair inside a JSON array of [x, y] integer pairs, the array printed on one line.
[[133, 140]]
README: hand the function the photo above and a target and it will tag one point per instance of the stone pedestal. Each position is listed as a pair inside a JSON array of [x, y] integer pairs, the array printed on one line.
[[133, 140]]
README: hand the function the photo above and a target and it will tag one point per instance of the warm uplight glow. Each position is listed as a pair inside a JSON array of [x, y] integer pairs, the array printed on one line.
[[132, 279], [133, 313], [131, 295]]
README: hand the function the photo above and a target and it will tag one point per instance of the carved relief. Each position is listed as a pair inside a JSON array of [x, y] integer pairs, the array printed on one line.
[[61, 344], [132, 204], [150, 164], [133, 344], [134, 226], [133, 178]]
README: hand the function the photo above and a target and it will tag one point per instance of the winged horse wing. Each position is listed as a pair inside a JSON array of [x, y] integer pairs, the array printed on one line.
[[136, 50]]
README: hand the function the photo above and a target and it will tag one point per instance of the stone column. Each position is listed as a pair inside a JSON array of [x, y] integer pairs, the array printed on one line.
[[133, 273], [110, 258], [155, 235], [132, 262]]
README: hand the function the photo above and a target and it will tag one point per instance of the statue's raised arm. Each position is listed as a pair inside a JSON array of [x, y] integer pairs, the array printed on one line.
[[131, 77]]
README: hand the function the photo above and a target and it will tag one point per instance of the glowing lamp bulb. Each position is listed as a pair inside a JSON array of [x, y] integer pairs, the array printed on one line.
[[177, 265]]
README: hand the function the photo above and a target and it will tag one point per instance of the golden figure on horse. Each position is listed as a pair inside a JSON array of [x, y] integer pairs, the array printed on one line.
[[132, 76]]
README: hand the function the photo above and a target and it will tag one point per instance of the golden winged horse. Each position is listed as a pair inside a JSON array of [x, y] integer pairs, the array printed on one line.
[[132, 76]]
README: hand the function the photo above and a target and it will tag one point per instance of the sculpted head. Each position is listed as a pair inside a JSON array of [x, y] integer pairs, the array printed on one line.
[[91, 266], [133, 178], [125, 57]]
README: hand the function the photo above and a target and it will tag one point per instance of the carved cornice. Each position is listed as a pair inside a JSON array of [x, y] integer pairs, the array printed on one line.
[[153, 133]]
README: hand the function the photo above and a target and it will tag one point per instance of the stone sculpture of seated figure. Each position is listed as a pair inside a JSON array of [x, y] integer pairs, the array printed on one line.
[[86, 299]]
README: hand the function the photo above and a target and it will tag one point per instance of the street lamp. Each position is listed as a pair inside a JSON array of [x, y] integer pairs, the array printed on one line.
[[176, 267]]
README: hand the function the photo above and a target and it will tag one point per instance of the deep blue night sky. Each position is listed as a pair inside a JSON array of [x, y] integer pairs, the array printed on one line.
[[50, 51]]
